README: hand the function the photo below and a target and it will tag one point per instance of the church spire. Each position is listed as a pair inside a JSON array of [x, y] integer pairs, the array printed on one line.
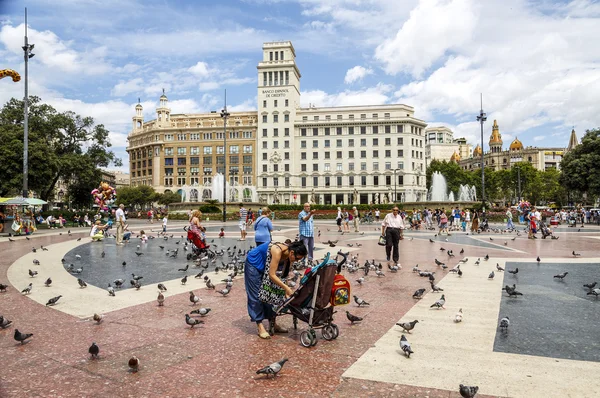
[[495, 138], [573, 142]]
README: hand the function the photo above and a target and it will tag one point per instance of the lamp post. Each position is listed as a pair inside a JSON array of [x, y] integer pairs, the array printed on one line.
[[519, 182], [395, 181], [225, 115], [27, 54], [481, 118]]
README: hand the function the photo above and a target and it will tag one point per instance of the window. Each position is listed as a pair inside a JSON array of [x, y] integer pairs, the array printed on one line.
[[327, 155], [388, 141], [286, 155], [315, 167], [375, 141], [388, 153], [363, 116], [375, 130], [264, 168], [302, 144], [363, 181], [315, 144], [168, 152], [351, 181], [275, 118], [303, 156], [247, 148], [168, 161], [363, 154], [327, 167], [303, 132], [264, 103], [387, 129], [376, 181], [286, 118], [276, 145], [388, 165], [304, 118], [181, 171], [194, 150], [350, 154], [399, 128], [327, 130], [181, 161], [195, 160], [303, 181], [388, 180], [338, 167], [363, 142], [351, 142], [286, 144], [169, 171], [234, 159], [247, 170], [315, 155], [264, 156], [375, 166], [234, 149], [339, 181], [287, 181], [338, 130], [264, 118], [286, 131], [363, 129], [286, 167], [363, 166], [303, 168], [375, 116], [265, 144], [168, 137], [400, 153], [247, 159], [350, 130], [328, 117], [327, 143], [181, 151], [206, 160], [264, 182], [351, 166], [287, 102], [401, 165], [316, 130], [327, 181], [338, 143], [338, 155], [316, 118], [400, 141], [276, 168], [220, 149], [264, 132], [275, 103]]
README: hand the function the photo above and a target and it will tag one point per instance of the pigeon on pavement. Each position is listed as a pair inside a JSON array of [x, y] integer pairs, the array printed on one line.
[[48, 282], [491, 275], [53, 300], [134, 364], [459, 316], [561, 276], [405, 346], [22, 337], [407, 326], [468, 391], [27, 290], [3, 287], [440, 303], [201, 311], [160, 299], [32, 273], [184, 280], [94, 350], [514, 272], [98, 318], [594, 292], [192, 321], [162, 287], [418, 293], [194, 299], [4, 323], [353, 318], [360, 301], [504, 323], [82, 284], [273, 368]]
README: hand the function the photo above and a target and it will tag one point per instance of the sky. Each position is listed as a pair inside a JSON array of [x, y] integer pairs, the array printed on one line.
[[536, 62]]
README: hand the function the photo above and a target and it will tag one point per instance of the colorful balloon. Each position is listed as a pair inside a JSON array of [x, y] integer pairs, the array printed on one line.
[[9, 72]]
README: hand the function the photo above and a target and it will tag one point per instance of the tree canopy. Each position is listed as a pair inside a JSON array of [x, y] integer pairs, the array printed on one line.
[[137, 197], [581, 166], [62, 145]]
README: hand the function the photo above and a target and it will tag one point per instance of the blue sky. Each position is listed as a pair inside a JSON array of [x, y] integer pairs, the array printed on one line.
[[535, 61]]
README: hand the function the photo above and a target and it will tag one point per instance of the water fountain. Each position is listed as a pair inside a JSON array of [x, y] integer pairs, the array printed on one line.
[[467, 193], [439, 190], [217, 187]]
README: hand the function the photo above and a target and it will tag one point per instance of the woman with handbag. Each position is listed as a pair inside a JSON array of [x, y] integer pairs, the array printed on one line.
[[390, 234], [263, 286], [263, 227]]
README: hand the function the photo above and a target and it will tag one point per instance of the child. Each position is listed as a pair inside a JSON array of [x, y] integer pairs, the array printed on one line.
[[165, 220], [222, 233], [143, 236]]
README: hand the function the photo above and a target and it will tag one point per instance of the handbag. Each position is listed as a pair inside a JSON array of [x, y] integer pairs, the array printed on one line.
[[269, 292], [382, 241]]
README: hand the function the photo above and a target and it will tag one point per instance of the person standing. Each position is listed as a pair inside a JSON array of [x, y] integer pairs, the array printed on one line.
[[475, 225], [509, 220], [243, 213], [306, 229], [390, 228], [164, 223], [467, 219], [120, 224], [356, 216], [338, 219], [457, 218], [263, 227]]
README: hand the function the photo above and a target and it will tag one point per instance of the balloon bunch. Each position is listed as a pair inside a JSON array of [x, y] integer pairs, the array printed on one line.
[[104, 195], [9, 72], [524, 205]]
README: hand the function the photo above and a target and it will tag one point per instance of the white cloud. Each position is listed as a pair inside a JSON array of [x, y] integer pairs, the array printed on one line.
[[200, 69], [356, 74], [539, 138], [246, 106], [371, 96], [127, 87]]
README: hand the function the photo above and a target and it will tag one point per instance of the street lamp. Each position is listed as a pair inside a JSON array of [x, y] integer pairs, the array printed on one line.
[[27, 48], [481, 118], [395, 181], [519, 182], [225, 115]]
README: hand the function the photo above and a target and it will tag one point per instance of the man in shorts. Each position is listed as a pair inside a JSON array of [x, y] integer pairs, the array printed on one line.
[[243, 218]]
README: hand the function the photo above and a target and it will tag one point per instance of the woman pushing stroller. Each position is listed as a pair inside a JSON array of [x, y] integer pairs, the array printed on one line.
[[266, 259]]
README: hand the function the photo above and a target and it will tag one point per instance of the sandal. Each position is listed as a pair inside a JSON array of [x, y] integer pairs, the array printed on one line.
[[264, 334]]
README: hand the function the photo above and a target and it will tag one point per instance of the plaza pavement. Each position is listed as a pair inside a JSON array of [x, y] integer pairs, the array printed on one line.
[[220, 357]]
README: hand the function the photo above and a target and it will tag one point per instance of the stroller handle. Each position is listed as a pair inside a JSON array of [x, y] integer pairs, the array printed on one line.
[[344, 259]]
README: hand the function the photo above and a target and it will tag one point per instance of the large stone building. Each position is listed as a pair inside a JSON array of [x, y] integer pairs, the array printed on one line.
[[440, 144], [184, 153], [329, 155], [500, 159]]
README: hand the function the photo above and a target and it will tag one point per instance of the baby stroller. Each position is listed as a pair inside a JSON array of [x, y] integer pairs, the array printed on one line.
[[544, 229], [311, 302], [198, 245], [484, 226]]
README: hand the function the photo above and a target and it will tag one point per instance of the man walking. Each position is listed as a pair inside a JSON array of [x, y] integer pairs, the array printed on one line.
[[390, 228], [243, 218], [306, 229], [120, 214]]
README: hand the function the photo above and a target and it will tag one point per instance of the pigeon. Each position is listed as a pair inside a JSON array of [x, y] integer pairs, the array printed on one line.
[[3, 287], [431, 240], [194, 299], [576, 254], [491, 275], [48, 282], [459, 316], [134, 364], [405, 346], [561, 276], [418, 294], [21, 337], [273, 368], [82, 284], [438, 263], [53, 300], [102, 254], [4, 323], [201, 311], [504, 323], [124, 263], [199, 274], [36, 262], [94, 350], [33, 249], [160, 299], [11, 240], [467, 391], [184, 280], [135, 284], [111, 290], [491, 239], [184, 269], [209, 284], [512, 292], [138, 253], [459, 272], [407, 326], [360, 280], [499, 268], [435, 288], [161, 247], [353, 318], [136, 277], [27, 290], [78, 270], [440, 303], [514, 272], [78, 257], [27, 237], [487, 257], [98, 318], [118, 282], [538, 259], [162, 287], [594, 292], [590, 285], [192, 321], [32, 273], [360, 301], [224, 292]]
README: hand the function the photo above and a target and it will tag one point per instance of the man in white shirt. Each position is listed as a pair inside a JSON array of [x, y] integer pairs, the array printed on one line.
[[120, 214], [390, 228]]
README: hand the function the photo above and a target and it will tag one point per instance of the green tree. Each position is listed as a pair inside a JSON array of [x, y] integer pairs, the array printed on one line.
[[168, 197], [137, 197], [455, 176], [61, 146], [581, 166]]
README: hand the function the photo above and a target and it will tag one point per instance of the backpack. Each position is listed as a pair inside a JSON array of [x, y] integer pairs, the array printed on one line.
[[340, 291]]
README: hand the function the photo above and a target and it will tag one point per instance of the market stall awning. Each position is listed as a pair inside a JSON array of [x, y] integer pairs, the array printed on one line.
[[23, 202]]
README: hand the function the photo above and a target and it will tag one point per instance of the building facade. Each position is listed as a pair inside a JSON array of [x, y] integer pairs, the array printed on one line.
[[441, 145], [185, 153], [501, 159], [332, 155]]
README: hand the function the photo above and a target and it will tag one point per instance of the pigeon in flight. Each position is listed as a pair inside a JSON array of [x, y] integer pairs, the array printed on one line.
[[360, 301], [468, 391], [139, 253], [22, 337], [192, 321], [201, 311], [273, 368], [53, 300], [440, 303], [353, 318], [418, 294], [561, 276], [407, 326], [504, 323], [405, 346], [94, 350]]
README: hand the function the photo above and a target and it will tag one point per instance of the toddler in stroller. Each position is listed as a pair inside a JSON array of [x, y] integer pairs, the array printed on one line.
[[198, 243], [310, 303], [544, 229]]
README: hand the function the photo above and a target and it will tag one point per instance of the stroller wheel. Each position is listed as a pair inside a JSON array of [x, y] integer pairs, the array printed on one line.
[[189, 256], [328, 333], [314, 337], [336, 331], [306, 339]]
